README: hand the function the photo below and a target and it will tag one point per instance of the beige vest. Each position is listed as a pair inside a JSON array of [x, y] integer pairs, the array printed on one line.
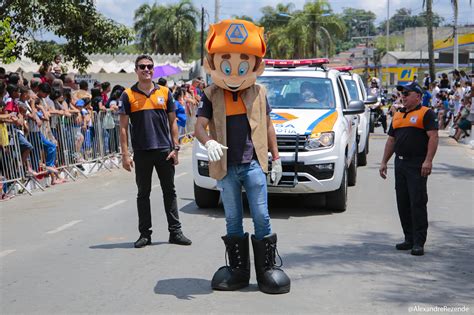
[[254, 99]]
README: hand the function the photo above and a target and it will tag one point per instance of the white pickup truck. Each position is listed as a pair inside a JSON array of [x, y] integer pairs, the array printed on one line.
[[316, 127], [357, 91]]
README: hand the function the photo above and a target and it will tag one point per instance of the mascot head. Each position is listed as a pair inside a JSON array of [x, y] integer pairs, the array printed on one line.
[[235, 54]]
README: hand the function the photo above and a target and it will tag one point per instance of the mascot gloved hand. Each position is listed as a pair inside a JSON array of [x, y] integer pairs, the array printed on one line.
[[214, 150], [276, 172]]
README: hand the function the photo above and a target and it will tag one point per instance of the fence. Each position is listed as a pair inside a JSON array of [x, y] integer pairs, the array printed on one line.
[[56, 148]]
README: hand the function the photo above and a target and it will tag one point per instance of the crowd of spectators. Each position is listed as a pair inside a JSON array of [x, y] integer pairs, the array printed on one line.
[[52, 112], [450, 98]]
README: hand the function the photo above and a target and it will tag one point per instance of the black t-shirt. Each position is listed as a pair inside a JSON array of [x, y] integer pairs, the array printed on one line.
[[409, 130], [239, 141]]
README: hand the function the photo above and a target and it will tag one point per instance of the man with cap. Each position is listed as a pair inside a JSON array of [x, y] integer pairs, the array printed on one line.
[[413, 137], [240, 136]]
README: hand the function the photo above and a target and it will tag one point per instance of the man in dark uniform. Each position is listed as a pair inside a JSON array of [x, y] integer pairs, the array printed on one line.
[[413, 136], [154, 135]]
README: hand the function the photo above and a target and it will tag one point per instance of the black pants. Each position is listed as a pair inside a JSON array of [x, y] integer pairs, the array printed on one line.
[[144, 163], [412, 198]]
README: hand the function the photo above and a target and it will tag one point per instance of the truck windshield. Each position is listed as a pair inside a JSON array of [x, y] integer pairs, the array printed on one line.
[[352, 87], [298, 92]]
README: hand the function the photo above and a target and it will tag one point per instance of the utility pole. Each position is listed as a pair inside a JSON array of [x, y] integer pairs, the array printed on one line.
[[429, 26], [387, 76], [456, 44], [367, 54], [202, 36], [216, 11]]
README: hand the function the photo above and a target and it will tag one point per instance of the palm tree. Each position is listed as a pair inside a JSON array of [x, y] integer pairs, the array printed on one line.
[[167, 29], [429, 26], [301, 34], [322, 24]]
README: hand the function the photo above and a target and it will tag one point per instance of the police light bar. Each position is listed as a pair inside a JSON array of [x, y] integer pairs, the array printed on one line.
[[344, 68], [292, 63]]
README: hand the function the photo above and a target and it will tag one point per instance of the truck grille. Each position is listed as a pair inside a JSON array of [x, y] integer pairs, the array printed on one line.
[[287, 143]]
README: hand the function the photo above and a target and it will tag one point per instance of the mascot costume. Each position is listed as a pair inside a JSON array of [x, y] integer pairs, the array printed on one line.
[[236, 111]]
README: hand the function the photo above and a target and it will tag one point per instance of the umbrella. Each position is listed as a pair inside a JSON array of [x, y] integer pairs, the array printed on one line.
[[165, 70]]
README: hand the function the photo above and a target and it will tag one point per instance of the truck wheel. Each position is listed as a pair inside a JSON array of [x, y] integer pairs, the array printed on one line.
[[206, 198], [362, 157], [352, 173], [337, 200]]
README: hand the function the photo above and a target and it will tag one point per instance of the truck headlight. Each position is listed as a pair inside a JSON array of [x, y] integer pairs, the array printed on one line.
[[320, 140]]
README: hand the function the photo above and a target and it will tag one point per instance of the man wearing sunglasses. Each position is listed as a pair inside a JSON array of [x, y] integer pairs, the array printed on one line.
[[154, 136], [413, 137]]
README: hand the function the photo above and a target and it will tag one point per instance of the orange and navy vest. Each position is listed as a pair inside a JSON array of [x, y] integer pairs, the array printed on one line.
[[409, 130], [150, 127]]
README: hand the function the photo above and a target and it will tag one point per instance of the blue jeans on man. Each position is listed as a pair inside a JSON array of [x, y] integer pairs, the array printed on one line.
[[253, 179]]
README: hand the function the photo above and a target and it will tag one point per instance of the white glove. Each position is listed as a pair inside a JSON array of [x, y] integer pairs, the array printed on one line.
[[214, 150], [276, 172]]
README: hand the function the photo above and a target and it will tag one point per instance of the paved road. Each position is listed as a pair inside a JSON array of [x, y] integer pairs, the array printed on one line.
[[69, 250]]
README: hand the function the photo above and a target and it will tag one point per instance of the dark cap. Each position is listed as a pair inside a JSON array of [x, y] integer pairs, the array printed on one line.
[[413, 86]]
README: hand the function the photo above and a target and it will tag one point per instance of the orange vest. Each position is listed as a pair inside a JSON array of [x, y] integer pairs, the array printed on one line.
[[157, 100], [412, 119]]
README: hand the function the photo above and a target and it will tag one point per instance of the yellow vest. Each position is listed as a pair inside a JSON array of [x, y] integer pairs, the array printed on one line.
[[254, 99]]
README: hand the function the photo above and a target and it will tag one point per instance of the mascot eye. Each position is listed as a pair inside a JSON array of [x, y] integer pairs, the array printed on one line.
[[243, 68], [226, 68]]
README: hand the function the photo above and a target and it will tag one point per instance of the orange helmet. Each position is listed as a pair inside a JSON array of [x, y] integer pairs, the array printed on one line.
[[236, 36]]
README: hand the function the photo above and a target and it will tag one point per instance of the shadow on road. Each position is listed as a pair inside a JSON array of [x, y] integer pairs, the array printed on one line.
[[183, 288], [187, 288], [444, 275], [281, 207], [121, 245]]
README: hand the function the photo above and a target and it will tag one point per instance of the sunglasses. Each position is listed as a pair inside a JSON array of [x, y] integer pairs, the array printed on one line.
[[143, 67], [406, 93]]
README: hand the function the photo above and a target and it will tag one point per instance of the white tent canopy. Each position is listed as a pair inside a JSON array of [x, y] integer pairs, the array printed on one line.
[[104, 63]]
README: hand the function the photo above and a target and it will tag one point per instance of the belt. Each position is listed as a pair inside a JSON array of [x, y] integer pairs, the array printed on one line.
[[401, 157]]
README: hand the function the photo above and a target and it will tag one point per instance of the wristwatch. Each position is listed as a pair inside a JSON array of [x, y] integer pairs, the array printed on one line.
[[176, 148]]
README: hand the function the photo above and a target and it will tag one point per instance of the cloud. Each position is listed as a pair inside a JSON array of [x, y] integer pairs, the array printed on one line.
[[123, 11]]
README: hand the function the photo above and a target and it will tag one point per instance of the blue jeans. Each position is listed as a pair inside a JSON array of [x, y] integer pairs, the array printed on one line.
[[49, 150], [253, 179]]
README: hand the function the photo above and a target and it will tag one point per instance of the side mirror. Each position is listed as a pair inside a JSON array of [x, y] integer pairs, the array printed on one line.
[[355, 107], [371, 99]]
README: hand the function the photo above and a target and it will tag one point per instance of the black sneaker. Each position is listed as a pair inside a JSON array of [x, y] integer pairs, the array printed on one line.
[[404, 246], [417, 250], [142, 242], [179, 238]]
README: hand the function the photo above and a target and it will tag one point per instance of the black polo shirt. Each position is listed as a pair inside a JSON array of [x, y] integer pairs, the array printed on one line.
[[148, 117], [409, 130]]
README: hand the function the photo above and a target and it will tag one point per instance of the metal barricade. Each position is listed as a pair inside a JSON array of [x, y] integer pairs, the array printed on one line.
[[12, 172], [71, 142]]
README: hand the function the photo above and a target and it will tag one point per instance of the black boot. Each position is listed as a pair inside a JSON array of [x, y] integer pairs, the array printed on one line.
[[271, 279], [236, 274]]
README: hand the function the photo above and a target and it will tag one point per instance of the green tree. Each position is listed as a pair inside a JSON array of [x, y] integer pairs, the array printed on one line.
[[243, 17], [167, 29], [7, 42], [403, 18], [301, 33], [324, 27], [76, 21]]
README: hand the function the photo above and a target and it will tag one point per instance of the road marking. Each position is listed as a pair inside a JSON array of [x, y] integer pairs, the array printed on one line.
[[63, 227], [7, 252], [177, 176], [113, 204]]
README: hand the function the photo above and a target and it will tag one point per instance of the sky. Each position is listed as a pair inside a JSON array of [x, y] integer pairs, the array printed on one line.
[[122, 11]]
